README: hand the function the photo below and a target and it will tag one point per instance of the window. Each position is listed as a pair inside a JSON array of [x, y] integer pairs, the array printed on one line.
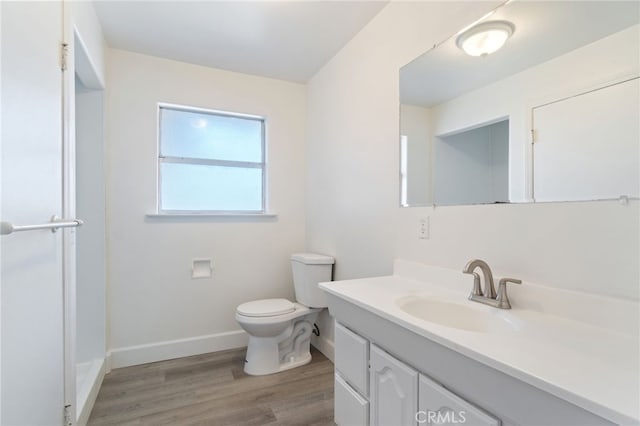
[[404, 200], [210, 162]]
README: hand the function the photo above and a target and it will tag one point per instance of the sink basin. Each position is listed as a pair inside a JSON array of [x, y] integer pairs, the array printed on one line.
[[456, 315]]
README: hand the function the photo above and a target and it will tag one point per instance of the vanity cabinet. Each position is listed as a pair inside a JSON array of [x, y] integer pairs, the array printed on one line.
[[350, 407], [351, 378], [495, 377], [352, 358], [437, 405], [373, 387], [394, 390]]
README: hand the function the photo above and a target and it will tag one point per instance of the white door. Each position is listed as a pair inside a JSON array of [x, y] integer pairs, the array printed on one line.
[[601, 160], [394, 390], [31, 263]]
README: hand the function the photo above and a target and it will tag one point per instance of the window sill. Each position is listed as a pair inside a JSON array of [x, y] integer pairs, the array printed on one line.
[[210, 215]]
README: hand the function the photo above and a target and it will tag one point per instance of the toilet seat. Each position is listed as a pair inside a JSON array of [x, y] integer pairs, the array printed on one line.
[[266, 308]]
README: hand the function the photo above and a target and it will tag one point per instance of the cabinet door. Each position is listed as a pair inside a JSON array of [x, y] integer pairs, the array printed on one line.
[[350, 409], [394, 390], [352, 358], [438, 406]]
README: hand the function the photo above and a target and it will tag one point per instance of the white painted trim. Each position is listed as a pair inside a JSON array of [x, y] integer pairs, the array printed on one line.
[[87, 71], [167, 215], [142, 354], [1, 206], [68, 186], [98, 370], [107, 363], [325, 346]]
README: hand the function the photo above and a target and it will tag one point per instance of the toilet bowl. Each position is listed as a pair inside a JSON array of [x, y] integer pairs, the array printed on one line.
[[280, 330], [277, 341]]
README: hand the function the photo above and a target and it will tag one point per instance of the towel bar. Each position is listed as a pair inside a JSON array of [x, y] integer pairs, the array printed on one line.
[[7, 228]]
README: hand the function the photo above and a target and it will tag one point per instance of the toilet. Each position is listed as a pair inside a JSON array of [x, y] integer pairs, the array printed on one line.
[[280, 330]]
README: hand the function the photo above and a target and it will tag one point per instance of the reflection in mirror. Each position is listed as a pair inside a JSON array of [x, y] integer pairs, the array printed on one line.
[[597, 159], [552, 116], [472, 166]]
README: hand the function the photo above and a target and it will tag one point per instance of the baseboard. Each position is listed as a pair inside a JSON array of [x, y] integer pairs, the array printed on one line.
[[96, 376], [142, 354], [325, 346], [107, 363]]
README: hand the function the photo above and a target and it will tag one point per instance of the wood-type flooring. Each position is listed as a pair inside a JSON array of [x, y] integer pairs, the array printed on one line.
[[212, 389]]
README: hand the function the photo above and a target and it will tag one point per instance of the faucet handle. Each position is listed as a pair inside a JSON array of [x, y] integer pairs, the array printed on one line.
[[502, 298]]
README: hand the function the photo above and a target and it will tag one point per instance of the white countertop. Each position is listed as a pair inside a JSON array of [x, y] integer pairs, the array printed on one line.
[[593, 366]]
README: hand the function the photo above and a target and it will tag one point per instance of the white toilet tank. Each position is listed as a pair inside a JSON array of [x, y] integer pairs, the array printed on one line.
[[309, 269]]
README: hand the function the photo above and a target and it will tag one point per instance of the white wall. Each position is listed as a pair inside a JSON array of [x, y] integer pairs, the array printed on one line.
[[352, 137], [156, 309], [352, 133], [352, 180]]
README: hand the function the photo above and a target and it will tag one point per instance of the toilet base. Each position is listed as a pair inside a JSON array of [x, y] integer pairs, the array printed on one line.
[[254, 369], [268, 355]]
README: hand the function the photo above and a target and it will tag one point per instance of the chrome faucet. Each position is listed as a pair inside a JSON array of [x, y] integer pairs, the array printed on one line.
[[488, 296], [489, 289]]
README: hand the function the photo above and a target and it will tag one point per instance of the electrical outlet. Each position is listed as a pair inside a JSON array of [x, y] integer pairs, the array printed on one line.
[[424, 228]]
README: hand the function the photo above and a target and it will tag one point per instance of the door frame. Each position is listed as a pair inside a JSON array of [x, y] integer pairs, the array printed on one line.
[[77, 61], [69, 211]]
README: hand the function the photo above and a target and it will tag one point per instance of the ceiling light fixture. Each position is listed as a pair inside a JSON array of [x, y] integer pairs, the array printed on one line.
[[485, 38]]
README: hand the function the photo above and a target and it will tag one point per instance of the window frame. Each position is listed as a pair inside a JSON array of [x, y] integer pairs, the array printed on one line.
[[262, 165]]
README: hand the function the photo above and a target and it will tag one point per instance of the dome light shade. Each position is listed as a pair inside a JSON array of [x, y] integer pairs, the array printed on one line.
[[485, 38]]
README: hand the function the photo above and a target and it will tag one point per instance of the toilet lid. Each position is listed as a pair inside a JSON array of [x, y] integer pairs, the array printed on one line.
[[266, 308]]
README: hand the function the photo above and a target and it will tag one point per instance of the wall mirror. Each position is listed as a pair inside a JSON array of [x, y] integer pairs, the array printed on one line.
[[551, 116]]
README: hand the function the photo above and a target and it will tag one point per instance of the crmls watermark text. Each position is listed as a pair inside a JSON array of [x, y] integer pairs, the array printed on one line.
[[449, 417]]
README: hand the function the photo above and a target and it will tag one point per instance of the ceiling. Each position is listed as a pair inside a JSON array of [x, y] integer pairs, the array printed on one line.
[[287, 40]]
